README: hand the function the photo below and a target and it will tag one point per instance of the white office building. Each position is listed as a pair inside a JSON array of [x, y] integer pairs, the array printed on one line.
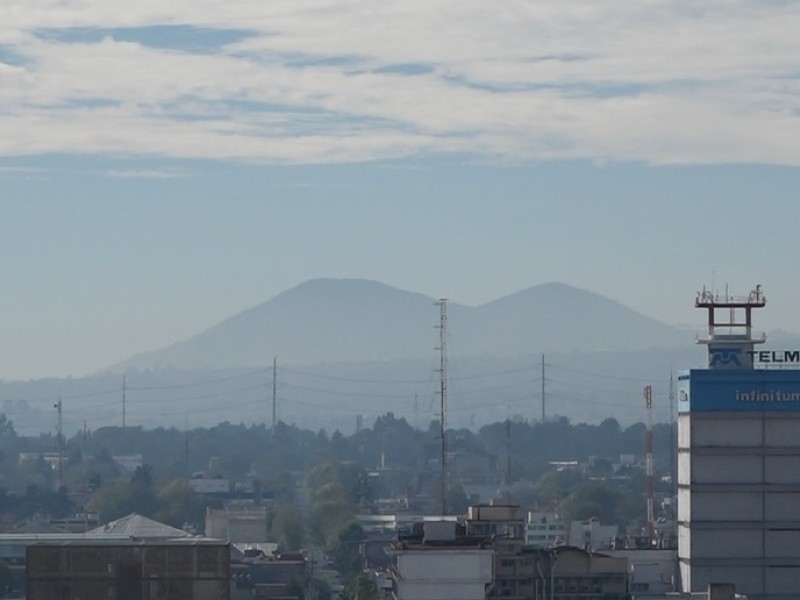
[[739, 461]]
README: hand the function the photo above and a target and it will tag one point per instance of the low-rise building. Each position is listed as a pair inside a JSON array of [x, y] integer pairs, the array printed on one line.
[[592, 534], [243, 524], [192, 568], [545, 530], [438, 562]]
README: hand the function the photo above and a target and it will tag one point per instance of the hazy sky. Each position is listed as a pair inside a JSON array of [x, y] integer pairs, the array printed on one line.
[[164, 165]]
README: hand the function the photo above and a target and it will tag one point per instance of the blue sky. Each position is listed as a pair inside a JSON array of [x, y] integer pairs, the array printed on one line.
[[166, 166]]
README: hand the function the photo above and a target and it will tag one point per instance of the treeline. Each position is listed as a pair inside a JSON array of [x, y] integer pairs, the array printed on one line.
[[279, 460]]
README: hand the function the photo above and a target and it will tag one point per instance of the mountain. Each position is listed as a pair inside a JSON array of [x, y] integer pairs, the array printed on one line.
[[356, 320], [555, 317], [352, 350]]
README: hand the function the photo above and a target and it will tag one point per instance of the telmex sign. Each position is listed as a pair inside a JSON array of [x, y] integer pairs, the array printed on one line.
[[775, 356]]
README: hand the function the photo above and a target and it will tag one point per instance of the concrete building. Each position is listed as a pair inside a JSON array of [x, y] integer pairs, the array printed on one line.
[[245, 524], [592, 534], [201, 485], [739, 460], [652, 571], [438, 564], [503, 526], [76, 570], [545, 530]]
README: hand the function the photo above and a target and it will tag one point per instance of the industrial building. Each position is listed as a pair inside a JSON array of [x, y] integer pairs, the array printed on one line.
[[739, 459]]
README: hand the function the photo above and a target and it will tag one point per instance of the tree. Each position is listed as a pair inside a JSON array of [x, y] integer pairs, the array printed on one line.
[[343, 546], [554, 486], [7, 427], [287, 528], [178, 504], [457, 501], [363, 588], [593, 499], [118, 499]]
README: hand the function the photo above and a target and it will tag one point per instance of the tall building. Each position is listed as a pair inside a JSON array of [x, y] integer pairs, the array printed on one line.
[[739, 459]]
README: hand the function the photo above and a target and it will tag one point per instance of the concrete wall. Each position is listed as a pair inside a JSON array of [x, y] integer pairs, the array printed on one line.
[[440, 574], [446, 565]]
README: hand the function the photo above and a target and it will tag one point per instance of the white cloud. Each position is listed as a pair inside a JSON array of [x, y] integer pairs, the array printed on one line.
[[322, 81], [146, 173]]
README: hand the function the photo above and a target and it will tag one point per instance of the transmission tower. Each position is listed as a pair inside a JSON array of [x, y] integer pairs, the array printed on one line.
[[274, 395], [443, 394], [60, 443], [648, 402]]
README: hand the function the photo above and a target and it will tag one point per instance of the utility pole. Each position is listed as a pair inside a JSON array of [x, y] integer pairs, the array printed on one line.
[[648, 402], [60, 443], [124, 389], [274, 394], [443, 394], [186, 452], [543, 391], [508, 452]]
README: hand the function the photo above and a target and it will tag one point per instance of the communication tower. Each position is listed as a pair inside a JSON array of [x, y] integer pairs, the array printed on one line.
[[730, 338]]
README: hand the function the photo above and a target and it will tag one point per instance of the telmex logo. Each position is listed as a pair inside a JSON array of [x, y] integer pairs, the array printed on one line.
[[726, 356], [775, 356]]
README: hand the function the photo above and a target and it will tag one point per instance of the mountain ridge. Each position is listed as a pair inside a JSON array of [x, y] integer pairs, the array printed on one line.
[[346, 320]]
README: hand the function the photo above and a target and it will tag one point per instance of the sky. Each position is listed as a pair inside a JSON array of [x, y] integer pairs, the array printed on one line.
[[165, 165]]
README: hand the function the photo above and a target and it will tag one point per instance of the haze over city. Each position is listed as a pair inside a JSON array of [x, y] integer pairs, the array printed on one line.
[[165, 167]]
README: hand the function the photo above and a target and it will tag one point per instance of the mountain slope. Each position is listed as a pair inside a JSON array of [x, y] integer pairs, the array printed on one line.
[[322, 320], [555, 317], [347, 320]]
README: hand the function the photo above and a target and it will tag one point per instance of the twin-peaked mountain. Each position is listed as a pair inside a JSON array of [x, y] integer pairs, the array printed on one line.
[[353, 320], [350, 351]]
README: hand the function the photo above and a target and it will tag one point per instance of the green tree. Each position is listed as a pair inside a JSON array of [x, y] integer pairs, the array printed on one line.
[[343, 546], [553, 486], [179, 504], [363, 588], [593, 499], [288, 528], [118, 499]]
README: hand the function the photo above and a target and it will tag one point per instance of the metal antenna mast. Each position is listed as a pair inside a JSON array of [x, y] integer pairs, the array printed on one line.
[[443, 394]]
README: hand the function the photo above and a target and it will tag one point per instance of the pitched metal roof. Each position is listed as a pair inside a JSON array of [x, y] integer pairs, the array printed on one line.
[[140, 527]]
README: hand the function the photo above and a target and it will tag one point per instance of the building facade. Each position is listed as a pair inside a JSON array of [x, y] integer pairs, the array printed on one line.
[[196, 569], [440, 564], [739, 460]]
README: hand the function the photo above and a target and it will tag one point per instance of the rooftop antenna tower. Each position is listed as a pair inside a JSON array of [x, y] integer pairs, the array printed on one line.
[[730, 338], [443, 394]]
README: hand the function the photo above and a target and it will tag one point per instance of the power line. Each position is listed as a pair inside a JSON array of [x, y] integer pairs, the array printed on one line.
[[196, 383], [355, 379], [600, 375]]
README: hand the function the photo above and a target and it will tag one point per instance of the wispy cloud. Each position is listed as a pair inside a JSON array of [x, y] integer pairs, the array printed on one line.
[[319, 81], [146, 173]]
